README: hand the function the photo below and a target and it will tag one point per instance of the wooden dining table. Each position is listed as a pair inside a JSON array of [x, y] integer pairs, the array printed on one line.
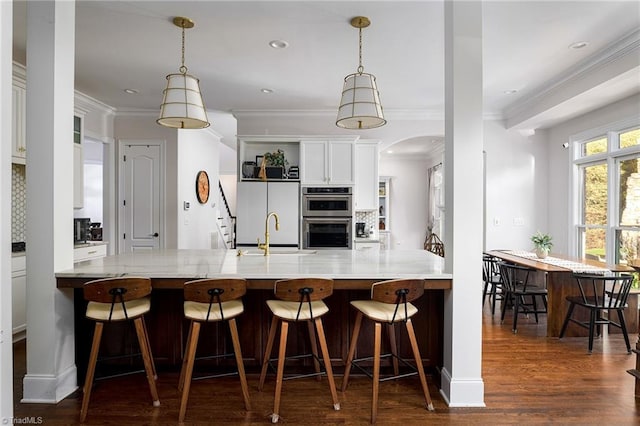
[[560, 284]]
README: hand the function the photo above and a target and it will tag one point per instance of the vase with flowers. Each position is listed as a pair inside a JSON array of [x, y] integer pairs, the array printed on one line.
[[542, 244]]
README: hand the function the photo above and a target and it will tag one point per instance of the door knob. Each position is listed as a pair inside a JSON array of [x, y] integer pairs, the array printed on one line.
[[155, 235]]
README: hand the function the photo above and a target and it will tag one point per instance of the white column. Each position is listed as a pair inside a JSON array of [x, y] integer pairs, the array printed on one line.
[[462, 384], [51, 371], [6, 346]]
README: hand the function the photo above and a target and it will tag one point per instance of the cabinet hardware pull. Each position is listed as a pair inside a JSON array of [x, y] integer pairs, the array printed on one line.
[[92, 252]]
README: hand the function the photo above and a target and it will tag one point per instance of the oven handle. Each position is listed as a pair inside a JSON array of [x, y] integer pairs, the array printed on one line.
[[310, 219]]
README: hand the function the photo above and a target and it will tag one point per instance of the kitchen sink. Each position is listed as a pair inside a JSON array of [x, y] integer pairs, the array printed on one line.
[[275, 251]]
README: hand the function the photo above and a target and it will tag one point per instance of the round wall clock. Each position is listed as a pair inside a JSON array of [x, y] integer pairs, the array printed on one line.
[[202, 186]]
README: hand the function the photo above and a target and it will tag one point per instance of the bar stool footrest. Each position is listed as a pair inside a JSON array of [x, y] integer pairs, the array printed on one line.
[[271, 361], [414, 371]]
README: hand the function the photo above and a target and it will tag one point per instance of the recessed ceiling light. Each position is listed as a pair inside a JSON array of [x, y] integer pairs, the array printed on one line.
[[278, 44], [389, 151], [510, 92], [267, 91], [578, 45], [131, 91]]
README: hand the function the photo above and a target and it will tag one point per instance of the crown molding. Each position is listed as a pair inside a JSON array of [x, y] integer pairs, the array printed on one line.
[[89, 104], [622, 48]]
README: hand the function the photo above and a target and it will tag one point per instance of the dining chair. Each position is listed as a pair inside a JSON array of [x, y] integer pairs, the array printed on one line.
[[517, 288], [492, 281], [600, 293]]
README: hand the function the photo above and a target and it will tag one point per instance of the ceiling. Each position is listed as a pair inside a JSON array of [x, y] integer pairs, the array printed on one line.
[[133, 45]]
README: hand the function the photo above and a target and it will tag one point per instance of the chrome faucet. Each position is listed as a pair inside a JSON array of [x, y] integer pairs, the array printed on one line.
[[265, 246]]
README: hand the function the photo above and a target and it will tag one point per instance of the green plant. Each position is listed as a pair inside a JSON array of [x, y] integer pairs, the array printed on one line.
[[275, 158], [542, 241]]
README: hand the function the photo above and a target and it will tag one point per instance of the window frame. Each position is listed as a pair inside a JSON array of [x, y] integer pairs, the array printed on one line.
[[612, 157]]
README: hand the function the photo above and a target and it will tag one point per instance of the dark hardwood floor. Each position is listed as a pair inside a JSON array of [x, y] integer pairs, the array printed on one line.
[[528, 378]]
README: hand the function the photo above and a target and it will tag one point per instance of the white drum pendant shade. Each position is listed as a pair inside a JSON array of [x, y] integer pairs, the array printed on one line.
[[182, 105], [360, 106]]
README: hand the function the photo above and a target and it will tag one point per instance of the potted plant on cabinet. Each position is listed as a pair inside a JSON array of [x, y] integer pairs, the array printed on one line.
[[277, 162], [542, 244]]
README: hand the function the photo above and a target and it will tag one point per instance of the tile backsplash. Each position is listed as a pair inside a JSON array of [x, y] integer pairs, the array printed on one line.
[[368, 217], [18, 202]]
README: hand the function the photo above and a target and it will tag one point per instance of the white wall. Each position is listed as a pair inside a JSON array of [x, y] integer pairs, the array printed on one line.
[[197, 150], [230, 187], [517, 185], [560, 162], [408, 200]]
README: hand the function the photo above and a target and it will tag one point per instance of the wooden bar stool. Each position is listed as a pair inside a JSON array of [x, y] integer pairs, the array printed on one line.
[[118, 299], [212, 300], [298, 300], [389, 304]]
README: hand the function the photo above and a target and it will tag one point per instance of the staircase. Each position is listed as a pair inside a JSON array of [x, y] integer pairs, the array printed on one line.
[[226, 221]]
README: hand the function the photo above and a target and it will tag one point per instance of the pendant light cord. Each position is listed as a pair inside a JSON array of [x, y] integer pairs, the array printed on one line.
[[360, 67], [183, 69]]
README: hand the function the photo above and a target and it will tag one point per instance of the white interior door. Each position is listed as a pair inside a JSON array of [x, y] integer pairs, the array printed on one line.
[[140, 202]]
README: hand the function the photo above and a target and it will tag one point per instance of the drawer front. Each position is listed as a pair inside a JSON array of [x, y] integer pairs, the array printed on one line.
[[18, 263], [89, 252]]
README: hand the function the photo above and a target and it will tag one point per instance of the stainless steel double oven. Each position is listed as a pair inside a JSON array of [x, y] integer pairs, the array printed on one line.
[[327, 214]]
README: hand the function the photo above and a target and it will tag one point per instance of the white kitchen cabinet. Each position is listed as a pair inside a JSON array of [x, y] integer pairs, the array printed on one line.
[[327, 162], [19, 296], [371, 246], [366, 176], [78, 164], [89, 251], [18, 124], [255, 200]]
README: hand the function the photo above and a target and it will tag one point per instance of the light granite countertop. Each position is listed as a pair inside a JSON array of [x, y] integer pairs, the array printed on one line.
[[282, 263]]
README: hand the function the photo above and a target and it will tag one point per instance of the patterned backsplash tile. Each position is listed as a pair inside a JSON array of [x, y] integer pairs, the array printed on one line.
[[368, 217], [18, 202]]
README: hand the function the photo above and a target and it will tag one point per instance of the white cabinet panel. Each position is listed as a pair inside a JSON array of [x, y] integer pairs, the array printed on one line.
[[19, 294], [92, 251], [251, 211], [18, 125], [255, 200], [283, 198], [313, 169], [366, 176], [341, 155], [370, 246], [327, 162]]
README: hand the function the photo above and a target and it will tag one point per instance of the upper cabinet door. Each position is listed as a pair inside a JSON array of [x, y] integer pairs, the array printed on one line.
[[341, 162], [327, 162], [313, 168], [19, 147]]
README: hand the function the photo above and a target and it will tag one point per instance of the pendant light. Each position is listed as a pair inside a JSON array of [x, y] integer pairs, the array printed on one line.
[[182, 105], [360, 104]]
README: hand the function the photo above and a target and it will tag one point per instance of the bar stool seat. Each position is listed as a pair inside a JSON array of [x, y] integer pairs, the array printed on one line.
[[383, 312], [298, 300], [199, 311], [390, 304], [207, 301], [104, 312], [289, 310], [118, 299]]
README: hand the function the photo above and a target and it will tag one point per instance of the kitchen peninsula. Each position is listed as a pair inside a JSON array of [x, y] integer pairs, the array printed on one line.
[[353, 271]]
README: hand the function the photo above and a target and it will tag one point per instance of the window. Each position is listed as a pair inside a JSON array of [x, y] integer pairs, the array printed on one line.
[[607, 185]]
